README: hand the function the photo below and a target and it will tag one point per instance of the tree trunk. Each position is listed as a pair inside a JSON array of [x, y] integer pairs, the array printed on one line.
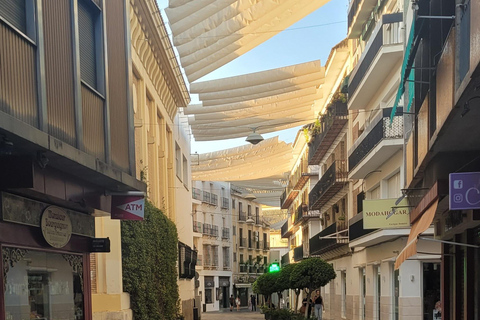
[[297, 294], [308, 304]]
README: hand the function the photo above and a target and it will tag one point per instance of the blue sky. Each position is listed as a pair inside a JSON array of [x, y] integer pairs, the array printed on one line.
[[309, 39]]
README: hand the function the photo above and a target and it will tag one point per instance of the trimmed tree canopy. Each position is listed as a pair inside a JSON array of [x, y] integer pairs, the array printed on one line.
[[266, 284], [312, 273]]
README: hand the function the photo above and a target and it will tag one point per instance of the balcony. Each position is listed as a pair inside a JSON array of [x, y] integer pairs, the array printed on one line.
[[225, 233], [207, 229], [329, 184], [376, 144], [296, 182], [286, 229], [214, 231], [331, 124], [329, 239], [225, 203], [360, 13], [242, 267], [382, 54], [197, 227], [243, 243], [285, 259], [266, 245], [197, 194], [259, 245], [242, 216], [214, 200], [206, 197], [298, 253]]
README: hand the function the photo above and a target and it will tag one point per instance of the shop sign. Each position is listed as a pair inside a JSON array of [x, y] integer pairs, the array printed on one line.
[[464, 193], [128, 207], [100, 245], [375, 213], [56, 226]]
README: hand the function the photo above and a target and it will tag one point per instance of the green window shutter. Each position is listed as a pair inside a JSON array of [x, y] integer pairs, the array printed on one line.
[[14, 12], [86, 30]]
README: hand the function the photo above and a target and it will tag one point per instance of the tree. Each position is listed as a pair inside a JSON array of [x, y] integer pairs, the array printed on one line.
[[283, 280], [266, 284], [310, 274]]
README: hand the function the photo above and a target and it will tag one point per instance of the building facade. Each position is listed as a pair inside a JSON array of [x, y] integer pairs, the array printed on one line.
[[212, 229], [441, 156], [251, 240], [67, 144], [162, 154]]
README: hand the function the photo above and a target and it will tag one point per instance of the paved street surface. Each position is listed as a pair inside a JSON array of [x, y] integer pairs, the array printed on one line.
[[225, 314], [244, 313]]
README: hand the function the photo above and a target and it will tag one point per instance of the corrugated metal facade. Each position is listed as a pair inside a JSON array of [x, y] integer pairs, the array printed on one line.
[[59, 70], [117, 83], [93, 123], [18, 89]]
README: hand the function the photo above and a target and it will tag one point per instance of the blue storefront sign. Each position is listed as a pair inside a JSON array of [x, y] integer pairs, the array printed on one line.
[[464, 190]]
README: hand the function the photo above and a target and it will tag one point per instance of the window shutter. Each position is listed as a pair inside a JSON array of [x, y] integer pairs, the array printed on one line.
[[86, 30], [14, 12]]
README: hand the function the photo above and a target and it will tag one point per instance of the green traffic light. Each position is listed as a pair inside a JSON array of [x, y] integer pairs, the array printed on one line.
[[274, 267]]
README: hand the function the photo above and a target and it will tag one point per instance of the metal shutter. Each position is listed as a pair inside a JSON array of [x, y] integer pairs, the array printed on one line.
[[86, 30], [14, 12]]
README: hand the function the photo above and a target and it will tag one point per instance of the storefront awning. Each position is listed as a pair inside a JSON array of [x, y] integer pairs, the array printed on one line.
[[208, 34], [419, 226], [406, 74]]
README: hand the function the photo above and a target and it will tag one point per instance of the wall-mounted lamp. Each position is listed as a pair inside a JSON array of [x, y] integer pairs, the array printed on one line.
[[466, 106]]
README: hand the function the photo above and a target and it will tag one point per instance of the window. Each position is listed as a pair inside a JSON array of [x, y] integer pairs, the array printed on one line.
[[234, 230], [14, 12], [378, 289], [375, 193], [43, 285], [185, 172], [233, 203], [226, 257], [20, 14], [241, 257], [393, 185], [362, 292], [249, 210], [208, 296], [89, 42], [234, 257], [344, 293], [178, 165]]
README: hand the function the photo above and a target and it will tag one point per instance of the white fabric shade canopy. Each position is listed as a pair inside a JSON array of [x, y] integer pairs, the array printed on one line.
[[210, 33], [257, 168], [267, 101]]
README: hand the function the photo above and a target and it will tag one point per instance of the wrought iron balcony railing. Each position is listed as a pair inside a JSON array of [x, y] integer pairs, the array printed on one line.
[[197, 226], [331, 124], [382, 130], [214, 199], [196, 194], [225, 203], [242, 216], [225, 233], [329, 184], [298, 253], [207, 229], [206, 197], [243, 242], [214, 231], [387, 34]]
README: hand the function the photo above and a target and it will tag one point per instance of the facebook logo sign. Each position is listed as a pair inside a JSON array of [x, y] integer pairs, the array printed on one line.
[[464, 190]]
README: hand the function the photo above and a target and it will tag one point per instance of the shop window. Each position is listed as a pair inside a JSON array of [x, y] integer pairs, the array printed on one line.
[[41, 285], [208, 296]]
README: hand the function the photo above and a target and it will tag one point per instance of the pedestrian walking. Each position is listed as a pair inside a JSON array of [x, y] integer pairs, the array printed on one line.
[[318, 304], [253, 301], [232, 302], [237, 301]]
